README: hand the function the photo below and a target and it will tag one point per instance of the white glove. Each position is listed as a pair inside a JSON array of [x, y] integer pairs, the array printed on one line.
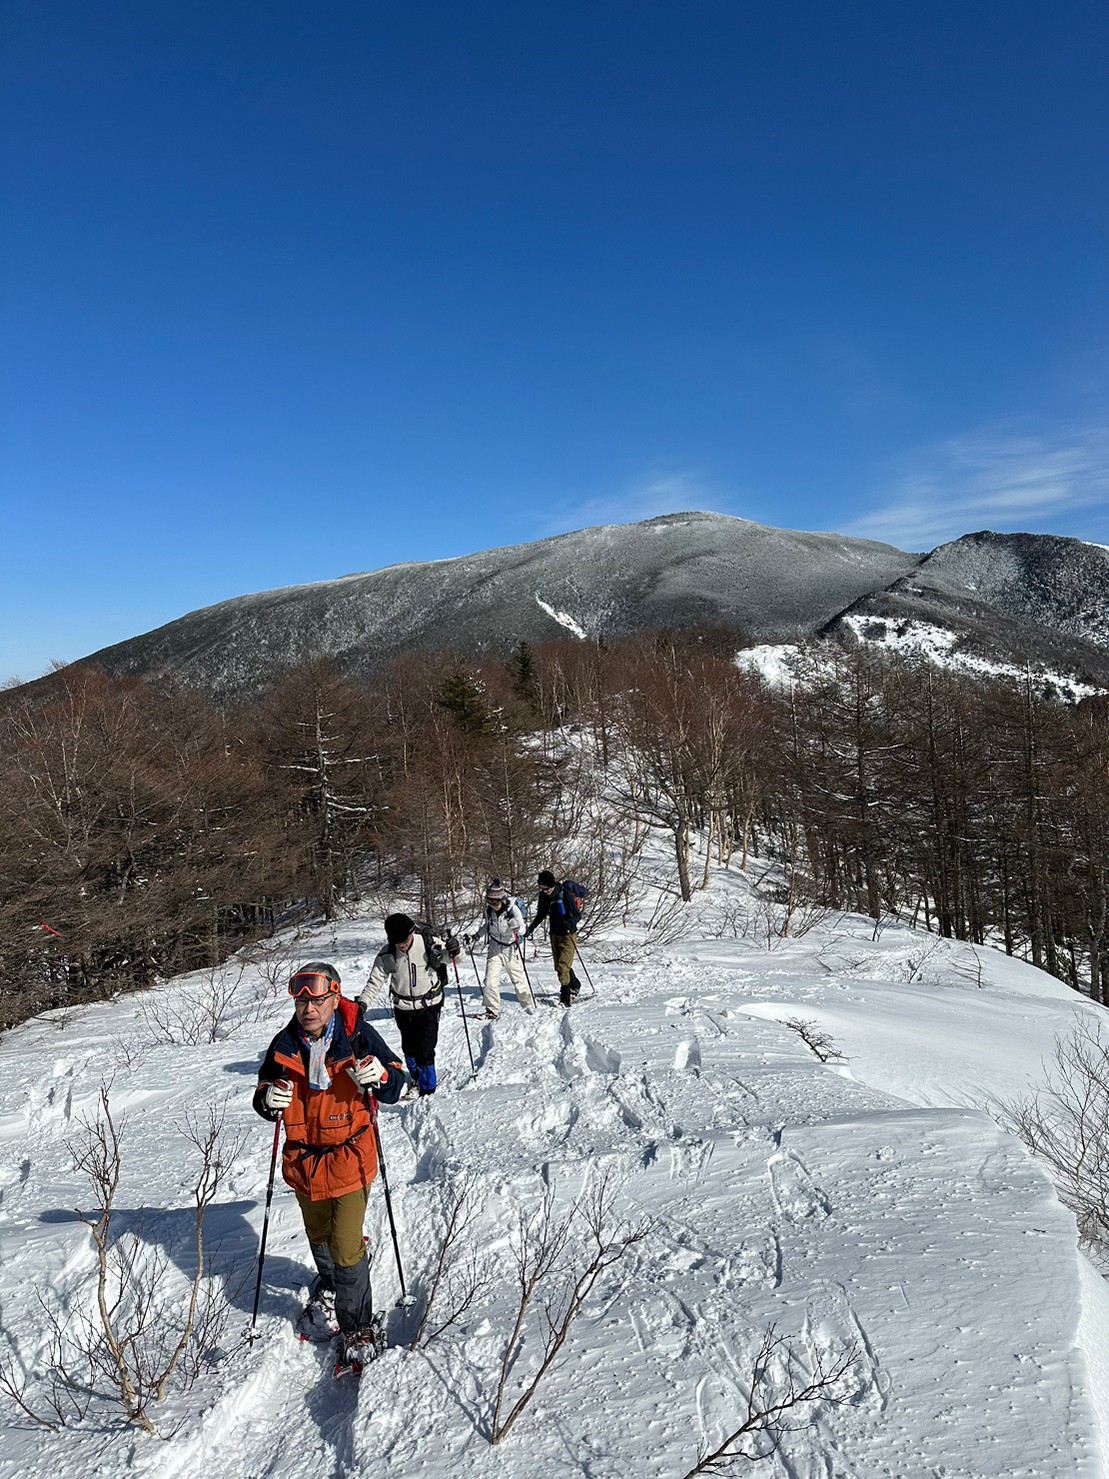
[[279, 1095], [368, 1073]]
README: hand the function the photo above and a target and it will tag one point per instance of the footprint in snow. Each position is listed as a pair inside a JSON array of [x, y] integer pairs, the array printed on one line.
[[796, 1195]]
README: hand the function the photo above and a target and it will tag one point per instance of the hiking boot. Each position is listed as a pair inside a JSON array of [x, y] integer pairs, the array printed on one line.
[[317, 1321], [359, 1347], [492, 1016]]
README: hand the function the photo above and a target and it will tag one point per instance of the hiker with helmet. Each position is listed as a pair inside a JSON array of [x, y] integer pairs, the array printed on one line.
[[414, 966], [561, 905], [317, 1076], [502, 927]]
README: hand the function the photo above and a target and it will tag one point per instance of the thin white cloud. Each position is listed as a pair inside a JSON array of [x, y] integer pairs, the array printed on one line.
[[993, 479], [656, 494]]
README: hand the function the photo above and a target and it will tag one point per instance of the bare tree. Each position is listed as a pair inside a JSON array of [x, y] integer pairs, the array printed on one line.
[[138, 1335], [816, 1038], [1065, 1124], [201, 1011]]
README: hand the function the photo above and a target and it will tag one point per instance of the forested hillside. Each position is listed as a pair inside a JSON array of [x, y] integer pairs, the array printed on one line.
[[143, 832]]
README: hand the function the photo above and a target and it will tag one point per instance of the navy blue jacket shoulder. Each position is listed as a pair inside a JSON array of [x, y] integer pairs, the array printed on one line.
[[346, 1045]]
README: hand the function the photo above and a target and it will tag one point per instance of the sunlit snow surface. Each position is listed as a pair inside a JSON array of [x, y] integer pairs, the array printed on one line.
[[780, 664], [875, 1205]]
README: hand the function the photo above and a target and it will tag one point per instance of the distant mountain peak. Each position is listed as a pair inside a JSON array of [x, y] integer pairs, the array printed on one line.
[[612, 581]]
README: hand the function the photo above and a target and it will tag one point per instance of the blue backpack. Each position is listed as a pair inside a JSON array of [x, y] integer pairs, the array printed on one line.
[[571, 896]]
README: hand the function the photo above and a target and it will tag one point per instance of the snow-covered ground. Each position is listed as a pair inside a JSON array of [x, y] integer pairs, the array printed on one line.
[[781, 664], [871, 1206]]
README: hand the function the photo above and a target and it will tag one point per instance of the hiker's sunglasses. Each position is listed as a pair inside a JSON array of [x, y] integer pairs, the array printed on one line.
[[313, 986]]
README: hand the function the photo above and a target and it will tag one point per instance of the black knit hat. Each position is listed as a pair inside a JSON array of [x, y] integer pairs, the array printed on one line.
[[547, 879], [398, 927]]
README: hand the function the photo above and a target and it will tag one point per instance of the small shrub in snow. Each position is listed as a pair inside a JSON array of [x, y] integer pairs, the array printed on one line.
[[1066, 1125], [462, 1276], [134, 1333], [816, 1038], [782, 1394], [201, 1011], [543, 1255]]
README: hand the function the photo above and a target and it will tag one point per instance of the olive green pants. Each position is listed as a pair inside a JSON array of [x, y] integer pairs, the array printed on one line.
[[563, 949], [334, 1229], [336, 1224]]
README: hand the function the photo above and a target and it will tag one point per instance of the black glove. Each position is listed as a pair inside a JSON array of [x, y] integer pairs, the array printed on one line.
[[467, 940], [454, 949], [529, 932]]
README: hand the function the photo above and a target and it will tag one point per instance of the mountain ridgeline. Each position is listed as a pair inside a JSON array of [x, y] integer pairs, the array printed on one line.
[[1016, 597]]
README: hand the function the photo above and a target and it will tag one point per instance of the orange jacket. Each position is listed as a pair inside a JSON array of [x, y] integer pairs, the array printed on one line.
[[329, 1146]]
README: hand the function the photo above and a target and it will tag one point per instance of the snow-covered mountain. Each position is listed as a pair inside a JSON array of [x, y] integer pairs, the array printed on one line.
[[1032, 596], [869, 1209], [1019, 597]]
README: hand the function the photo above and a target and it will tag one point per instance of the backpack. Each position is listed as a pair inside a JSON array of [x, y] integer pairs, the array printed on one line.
[[436, 954], [571, 896]]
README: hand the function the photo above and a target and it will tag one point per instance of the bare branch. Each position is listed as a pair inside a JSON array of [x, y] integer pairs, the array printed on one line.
[[781, 1398], [540, 1249]]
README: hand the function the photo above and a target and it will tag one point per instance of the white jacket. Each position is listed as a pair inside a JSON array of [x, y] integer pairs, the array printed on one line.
[[501, 929], [415, 980]]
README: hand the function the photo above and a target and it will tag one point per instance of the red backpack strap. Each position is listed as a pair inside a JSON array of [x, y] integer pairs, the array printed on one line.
[[348, 1012]]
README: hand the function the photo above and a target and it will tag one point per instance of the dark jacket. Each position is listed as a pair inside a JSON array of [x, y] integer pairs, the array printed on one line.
[[329, 1145], [563, 908]]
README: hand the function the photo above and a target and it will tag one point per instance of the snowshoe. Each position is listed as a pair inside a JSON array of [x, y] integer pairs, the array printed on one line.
[[316, 1321], [357, 1348]]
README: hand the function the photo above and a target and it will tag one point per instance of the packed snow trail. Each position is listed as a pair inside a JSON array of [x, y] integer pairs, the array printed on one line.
[[785, 1192]]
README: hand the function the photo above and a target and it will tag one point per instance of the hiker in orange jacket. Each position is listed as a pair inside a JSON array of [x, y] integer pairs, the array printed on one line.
[[317, 1076]]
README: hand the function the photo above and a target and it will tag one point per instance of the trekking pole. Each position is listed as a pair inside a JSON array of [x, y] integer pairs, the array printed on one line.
[[462, 1005], [265, 1229], [585, 968], [473, 962], [523, 961], [405, 1299]]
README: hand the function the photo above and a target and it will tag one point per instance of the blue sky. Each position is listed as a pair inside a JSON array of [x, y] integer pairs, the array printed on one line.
[[294, 290]]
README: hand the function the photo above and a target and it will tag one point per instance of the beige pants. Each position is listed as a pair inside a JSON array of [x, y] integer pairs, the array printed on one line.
[[498, 962]]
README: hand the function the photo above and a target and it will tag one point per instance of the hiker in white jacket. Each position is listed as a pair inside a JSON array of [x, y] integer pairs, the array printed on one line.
[[502, 926]]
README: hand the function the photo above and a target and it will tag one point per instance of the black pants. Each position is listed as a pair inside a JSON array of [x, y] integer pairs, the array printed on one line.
[[419, 1034]]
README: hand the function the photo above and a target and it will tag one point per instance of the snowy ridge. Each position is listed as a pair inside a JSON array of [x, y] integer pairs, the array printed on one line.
[[781, 664], [874, 1207], [938, 645], [1022, 598]]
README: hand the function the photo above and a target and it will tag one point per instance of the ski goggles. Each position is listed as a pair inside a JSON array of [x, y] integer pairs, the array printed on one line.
[[312, 985]]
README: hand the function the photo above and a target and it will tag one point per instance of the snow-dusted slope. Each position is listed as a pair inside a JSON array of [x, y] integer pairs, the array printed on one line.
[[611, 581], [1000, 600], [874, 1207], [992, 597]]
